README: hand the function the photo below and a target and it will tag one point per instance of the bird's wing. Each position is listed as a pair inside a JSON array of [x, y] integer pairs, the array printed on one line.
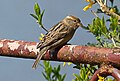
[[48, 35], [56, 33], [58, 37]]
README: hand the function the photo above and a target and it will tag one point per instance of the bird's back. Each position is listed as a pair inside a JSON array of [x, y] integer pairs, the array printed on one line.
[[57, 36]]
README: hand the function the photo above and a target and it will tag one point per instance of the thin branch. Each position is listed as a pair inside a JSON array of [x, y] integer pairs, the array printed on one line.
[[44, 28], [94, 13], [41, 26], [113, 42]]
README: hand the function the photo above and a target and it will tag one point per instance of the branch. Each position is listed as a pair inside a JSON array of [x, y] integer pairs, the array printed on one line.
[[68, 53], [106, 10], [106, 70]]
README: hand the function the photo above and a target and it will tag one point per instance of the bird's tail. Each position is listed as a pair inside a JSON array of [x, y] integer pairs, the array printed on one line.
[[34, 66]]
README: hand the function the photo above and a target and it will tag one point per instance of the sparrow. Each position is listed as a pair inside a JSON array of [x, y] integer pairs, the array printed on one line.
[[57, 36]]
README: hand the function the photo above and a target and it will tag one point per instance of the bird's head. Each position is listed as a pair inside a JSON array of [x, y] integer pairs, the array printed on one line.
[[72, 21]]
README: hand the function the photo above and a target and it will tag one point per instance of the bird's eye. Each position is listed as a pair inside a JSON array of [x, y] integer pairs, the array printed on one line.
[[75, 20]]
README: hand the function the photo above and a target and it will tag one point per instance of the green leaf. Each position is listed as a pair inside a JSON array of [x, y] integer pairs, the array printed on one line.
[[34, 16], [77, 76], [39, 19], [42, 16], [82, 73], [104, 29], [63, 78], [114, 23], [44, 76], [95, 26], [111, 2], [77, 66], [58, 68], [37, 9]]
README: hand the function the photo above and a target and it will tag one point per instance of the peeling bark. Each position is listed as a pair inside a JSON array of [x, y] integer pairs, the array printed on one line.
[[68, 53], [15, 48], [71, 53]]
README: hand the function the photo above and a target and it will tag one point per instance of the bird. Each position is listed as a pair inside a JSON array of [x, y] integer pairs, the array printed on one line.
[[57, 36]]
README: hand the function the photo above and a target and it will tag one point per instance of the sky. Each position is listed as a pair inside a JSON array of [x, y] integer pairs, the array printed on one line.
[[17, 24]]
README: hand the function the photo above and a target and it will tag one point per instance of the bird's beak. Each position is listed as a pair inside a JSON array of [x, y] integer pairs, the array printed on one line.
[[79, 24]]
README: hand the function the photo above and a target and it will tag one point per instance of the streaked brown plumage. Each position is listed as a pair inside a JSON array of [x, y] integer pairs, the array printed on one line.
[[57, 36]]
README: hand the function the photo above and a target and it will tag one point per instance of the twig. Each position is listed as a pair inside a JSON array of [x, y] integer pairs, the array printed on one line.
[[40, 25], [44, 28], [113, 42], [94, 13]]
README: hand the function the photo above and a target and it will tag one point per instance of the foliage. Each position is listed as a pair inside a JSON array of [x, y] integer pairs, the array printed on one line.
[[38, 15], [52, 73], [86, 71], [106, 36]]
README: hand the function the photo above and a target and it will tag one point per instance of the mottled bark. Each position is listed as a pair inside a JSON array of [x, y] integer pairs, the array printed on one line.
[[68, 53], [71, 53]]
